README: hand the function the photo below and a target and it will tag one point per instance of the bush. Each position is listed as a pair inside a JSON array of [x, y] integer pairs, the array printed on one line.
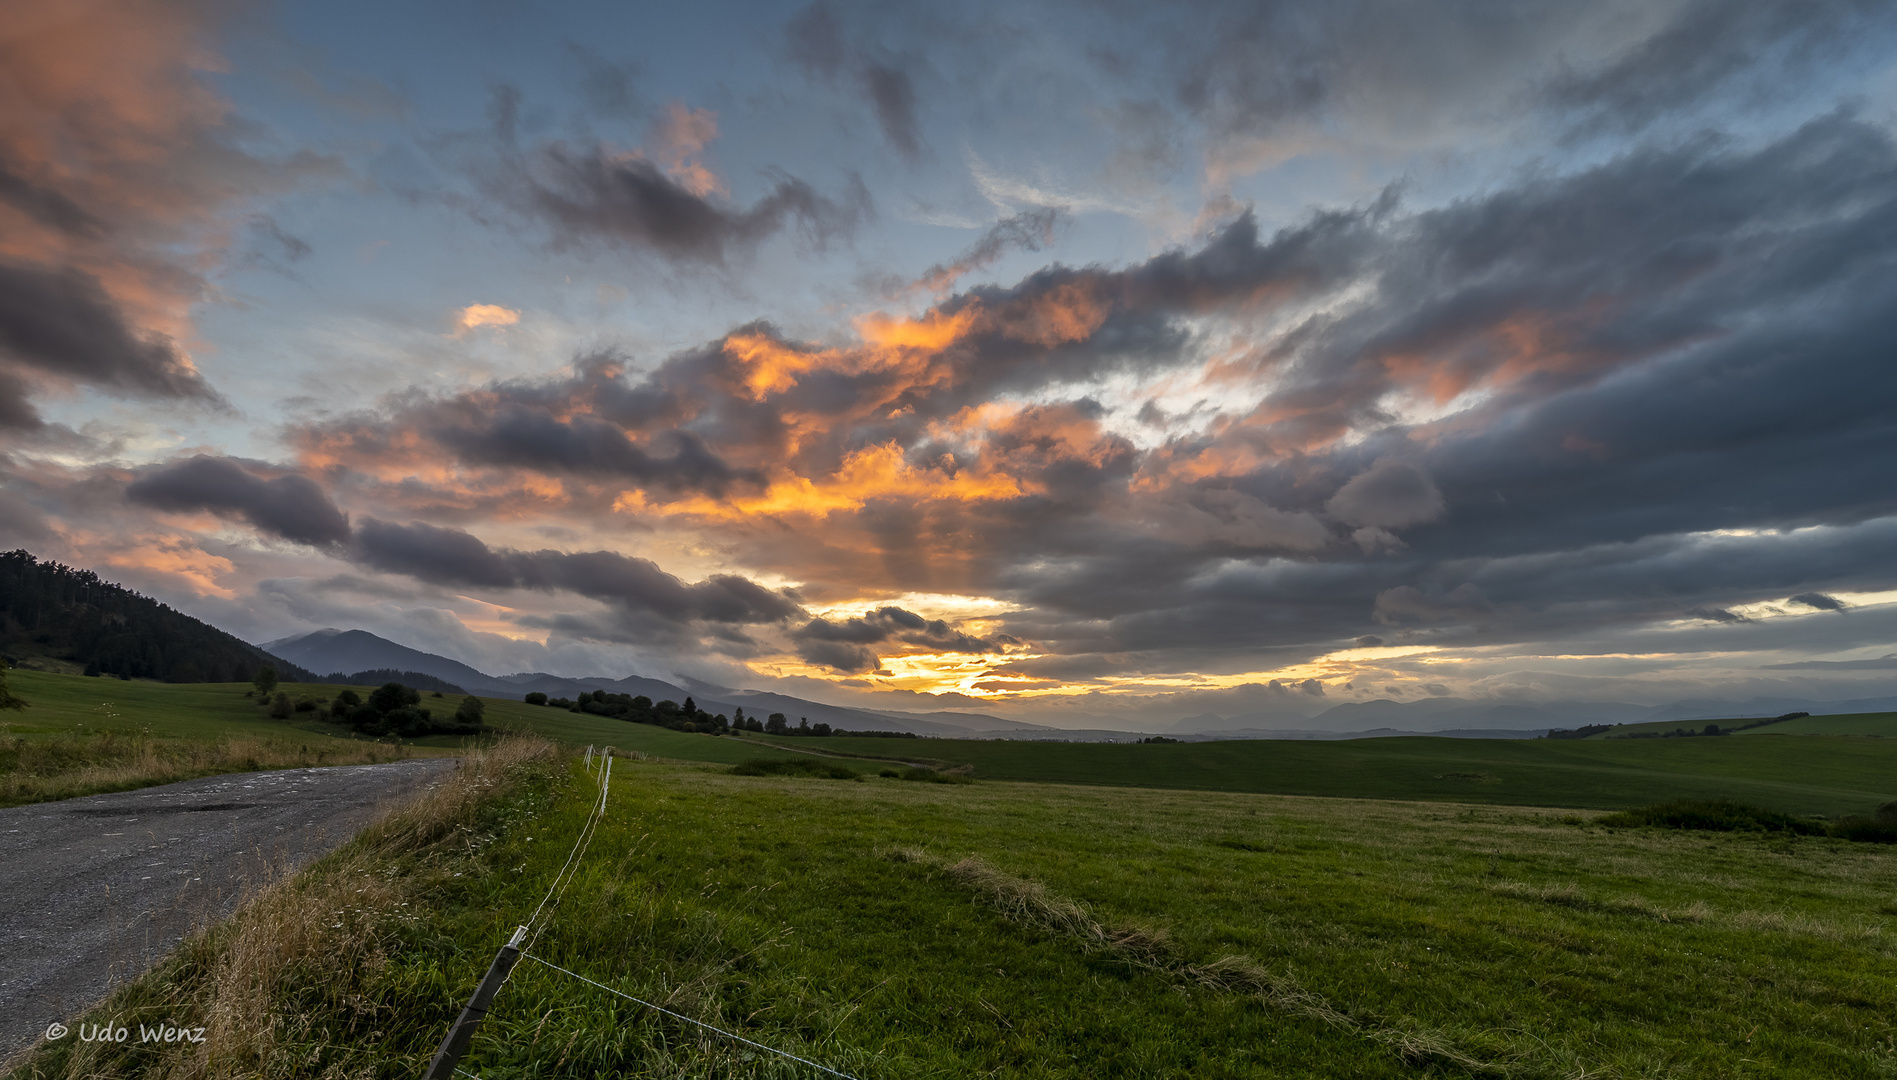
[[470, 710], [345, 701], [536, 698], [1717, 815], [393, 695], [1865, 830], [280, 707], [795, 767], [307, 704], [394, 709], [1725, 815]]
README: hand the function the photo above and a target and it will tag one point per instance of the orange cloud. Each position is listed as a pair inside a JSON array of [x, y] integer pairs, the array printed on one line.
[[175, 557], [874, 472], [478, 315]]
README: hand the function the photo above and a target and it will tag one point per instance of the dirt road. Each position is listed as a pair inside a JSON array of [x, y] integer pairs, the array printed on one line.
[[94, 890]]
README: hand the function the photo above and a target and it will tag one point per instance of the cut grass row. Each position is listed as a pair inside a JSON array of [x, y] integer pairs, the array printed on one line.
[[902, 930]]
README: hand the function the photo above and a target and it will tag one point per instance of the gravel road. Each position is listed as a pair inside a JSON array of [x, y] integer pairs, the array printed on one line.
[[94, 890]]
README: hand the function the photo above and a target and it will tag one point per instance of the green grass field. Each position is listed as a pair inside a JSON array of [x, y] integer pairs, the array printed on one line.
[[899, 930], [1796, 774], [1785, 766]]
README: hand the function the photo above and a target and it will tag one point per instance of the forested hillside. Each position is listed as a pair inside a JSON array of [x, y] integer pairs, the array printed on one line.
[[51, 610]]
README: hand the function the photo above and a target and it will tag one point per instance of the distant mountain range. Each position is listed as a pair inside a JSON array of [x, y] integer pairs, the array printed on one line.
[[347, 651]]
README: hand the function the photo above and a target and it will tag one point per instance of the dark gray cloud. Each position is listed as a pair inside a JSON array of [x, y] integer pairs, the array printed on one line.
[[519, 435], [290, 507], [590, 196], [1029, 230], [818, 41], [46, 205], [844, 644], [636, 586], [1818, 601], [1885, 663], [1251, 69], [60, 321], [1388, 495], [16, 406], [1710, 47]]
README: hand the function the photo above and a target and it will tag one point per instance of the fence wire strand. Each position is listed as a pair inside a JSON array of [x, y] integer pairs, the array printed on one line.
[[574, 857], [680, 1016]]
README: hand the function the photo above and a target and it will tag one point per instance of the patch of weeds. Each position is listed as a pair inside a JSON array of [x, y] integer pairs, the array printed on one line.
[[1726, 815], [934, 776], [1245, 845], [796, 767], [1715, 815]]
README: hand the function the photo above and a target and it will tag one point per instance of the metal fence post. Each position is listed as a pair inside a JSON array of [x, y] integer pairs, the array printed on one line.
[[459, 1036]]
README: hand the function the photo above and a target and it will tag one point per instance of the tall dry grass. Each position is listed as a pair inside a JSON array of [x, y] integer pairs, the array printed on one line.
[[41, 770], [281, 983]]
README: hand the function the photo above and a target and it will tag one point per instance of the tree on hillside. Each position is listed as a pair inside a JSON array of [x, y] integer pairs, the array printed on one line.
[[470, 710], [59, 612], [776, 725], [7, 700], [265, 681]]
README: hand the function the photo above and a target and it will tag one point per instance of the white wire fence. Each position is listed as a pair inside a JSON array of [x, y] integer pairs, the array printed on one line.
[[447, 1059]]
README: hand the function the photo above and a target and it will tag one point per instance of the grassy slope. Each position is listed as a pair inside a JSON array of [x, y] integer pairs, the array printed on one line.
[[1521, 937], [1880, 724], [1842, 724]]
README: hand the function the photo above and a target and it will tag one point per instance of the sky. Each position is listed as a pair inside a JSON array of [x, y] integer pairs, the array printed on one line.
[[1089, 363]]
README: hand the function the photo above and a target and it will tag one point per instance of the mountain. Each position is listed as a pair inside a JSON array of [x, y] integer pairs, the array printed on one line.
[[359, 650], [64, 613]]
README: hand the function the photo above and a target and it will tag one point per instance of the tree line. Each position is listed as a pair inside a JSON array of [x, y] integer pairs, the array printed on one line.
[[640, 709], [390, 709]]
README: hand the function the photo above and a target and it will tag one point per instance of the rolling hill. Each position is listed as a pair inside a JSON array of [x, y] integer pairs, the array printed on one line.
[[60, 613]]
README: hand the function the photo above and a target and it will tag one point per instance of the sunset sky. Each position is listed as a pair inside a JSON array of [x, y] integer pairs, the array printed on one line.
[[1067, 361]]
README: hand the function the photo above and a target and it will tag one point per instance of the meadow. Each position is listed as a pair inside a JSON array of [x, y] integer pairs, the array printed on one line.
[[897, 930], [86, 736], [1780, 767], [1797, 774]]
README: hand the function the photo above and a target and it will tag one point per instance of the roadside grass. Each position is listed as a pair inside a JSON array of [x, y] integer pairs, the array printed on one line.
[[294, 979], [892, 929], [88, 736], [41, 770]]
